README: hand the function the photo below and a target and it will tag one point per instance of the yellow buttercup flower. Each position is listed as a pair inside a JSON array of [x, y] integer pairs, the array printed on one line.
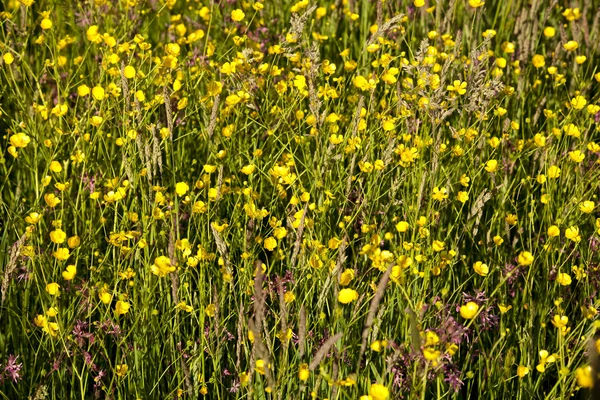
[[162, 266], [20, 140], [129, 72], [346, 296], [525, 258], [303, 372], [379, 392], [576, 156], [553, 231], [121, 369], [58, 236], [53, 289], [491, 166], [571, 45], [585, 376], [237, 15], [181, 188], [270, 243], [572, 233], [122, 307], [69, 273], [578, 102], [480, 268], [469, 310], [563, 279], [62, 254], [587, 207], [46, 24], [8, 58], [458, 87], [522, 371]]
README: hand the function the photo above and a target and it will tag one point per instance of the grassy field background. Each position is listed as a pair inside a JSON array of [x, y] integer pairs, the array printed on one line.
[[290, 200]]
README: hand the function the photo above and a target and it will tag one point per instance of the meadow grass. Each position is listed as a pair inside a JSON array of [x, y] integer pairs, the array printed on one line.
[[288, 200]]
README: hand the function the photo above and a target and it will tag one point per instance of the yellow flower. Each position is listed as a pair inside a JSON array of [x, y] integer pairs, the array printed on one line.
[[53, 289], [572, 14], [346, 296], [431, 354], [46, 24], [476, 3], [419, 3], [402, 226], [439, 194], [553, 172], [237, 15], [260, 366], [172, 49], [69, 273], [376, 346], [270, 243], [8, 58], [525, 258], [469, 310], [83, 90], [98, 93], [584, 376], [50, 328], [538, 61], [73, 241], [481, 268], [58, 236], [182, 305], [560, 321], [458, 87], [503, 308], [122, 307], [438, 246], [379, 392], [522, 371], [576, 156], [20, 140], [463, 197], [346, 277], [363, 84], [61, 254], [578, 102], [162, 266], [549, 31], [121, 370], [52, 312], [181, 188], [303, 372], [211, 310], [248, 169], [572, 130], [129, 72], [511, 219], [571, 45], [55, 166], [572, 233], [587, 207], [491, 166], [33, 218], [553, 231], [563, 279]]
